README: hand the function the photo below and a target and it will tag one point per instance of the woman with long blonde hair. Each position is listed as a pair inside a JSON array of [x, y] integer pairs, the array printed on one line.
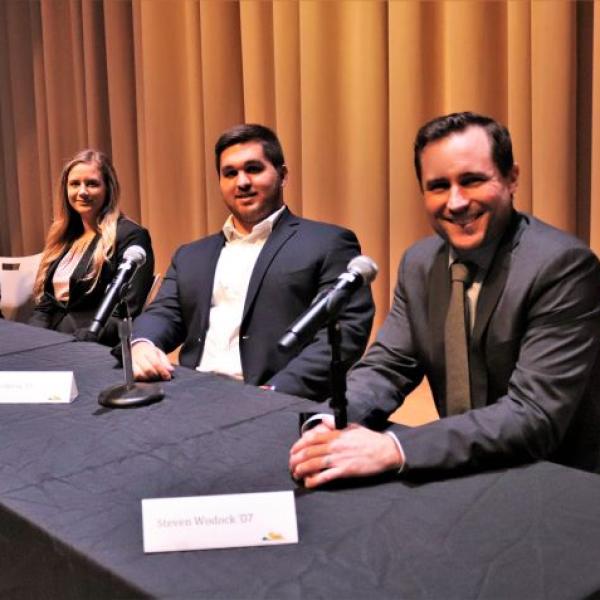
[[85, 244]]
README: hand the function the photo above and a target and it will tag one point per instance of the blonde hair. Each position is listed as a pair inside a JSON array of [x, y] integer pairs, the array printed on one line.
[[68, 226]]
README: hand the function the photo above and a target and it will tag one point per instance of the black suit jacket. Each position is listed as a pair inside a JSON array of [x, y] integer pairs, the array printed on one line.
[[534, 354], [75, 316], [299, 259]]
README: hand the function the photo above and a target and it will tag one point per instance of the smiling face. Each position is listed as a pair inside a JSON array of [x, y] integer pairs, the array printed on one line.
[[250, 184], [86, 192], [468, 201]]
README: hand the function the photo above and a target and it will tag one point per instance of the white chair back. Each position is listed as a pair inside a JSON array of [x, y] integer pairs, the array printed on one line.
[[17, 276]]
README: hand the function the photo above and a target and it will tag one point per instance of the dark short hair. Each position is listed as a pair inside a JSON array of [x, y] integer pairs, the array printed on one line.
[[251, 132], [441, 127]]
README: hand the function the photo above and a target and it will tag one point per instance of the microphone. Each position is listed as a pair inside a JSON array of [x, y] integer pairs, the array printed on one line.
[[133, 257], [361, 270]]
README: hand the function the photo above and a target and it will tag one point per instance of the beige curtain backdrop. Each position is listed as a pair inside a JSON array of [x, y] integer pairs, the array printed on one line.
[[345, 84]]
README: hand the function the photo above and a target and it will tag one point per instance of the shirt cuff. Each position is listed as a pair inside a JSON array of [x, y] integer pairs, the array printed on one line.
[[400, 449], [133, 342], [313, 421]]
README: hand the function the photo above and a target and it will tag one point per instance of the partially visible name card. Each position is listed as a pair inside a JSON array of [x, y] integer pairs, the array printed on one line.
[[37, 387], [226, 521]]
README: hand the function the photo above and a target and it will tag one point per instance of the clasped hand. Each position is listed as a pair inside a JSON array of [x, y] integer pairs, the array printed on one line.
[[325, 453], [150, 362]]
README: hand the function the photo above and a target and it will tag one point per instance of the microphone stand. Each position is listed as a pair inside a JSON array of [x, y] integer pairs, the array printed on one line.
[[131, 393], [337, 376]]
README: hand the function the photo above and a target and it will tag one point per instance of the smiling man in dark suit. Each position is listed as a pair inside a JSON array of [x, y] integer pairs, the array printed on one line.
[[229, 297], [531, 340]]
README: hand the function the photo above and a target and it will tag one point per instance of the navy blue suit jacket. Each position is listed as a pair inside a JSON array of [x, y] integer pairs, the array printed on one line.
[[299, 259], [534, 355]]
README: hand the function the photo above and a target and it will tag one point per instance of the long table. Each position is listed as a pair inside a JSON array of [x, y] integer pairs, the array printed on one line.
[[72, 478]]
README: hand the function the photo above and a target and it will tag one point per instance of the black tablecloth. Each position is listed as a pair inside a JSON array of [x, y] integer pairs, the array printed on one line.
[[72, 478], [16, 337]]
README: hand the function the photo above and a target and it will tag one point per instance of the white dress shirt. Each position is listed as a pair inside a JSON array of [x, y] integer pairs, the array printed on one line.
[[65, 269], [232, 276]]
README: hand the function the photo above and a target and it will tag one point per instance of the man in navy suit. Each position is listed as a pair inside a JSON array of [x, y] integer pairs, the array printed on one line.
[[534, 331], [228, 298]]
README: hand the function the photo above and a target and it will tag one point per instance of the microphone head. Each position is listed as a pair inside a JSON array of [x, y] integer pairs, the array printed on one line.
[[135, 255], [365, 267]]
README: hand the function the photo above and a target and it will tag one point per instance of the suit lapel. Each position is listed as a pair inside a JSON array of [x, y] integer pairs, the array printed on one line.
[[78, 285], [491, 290], [204, 277], [48, 285], [284, 229], [496, 278], [439, 295]]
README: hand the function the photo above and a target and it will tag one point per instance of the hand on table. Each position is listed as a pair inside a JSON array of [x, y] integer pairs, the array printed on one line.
[[325, 453], [150, 362]]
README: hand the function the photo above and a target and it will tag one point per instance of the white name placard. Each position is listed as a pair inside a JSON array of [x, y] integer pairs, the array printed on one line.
[[226, 521], [37, 387]]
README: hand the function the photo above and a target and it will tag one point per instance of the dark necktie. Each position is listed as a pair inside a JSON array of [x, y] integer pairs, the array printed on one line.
[[458, 388]]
